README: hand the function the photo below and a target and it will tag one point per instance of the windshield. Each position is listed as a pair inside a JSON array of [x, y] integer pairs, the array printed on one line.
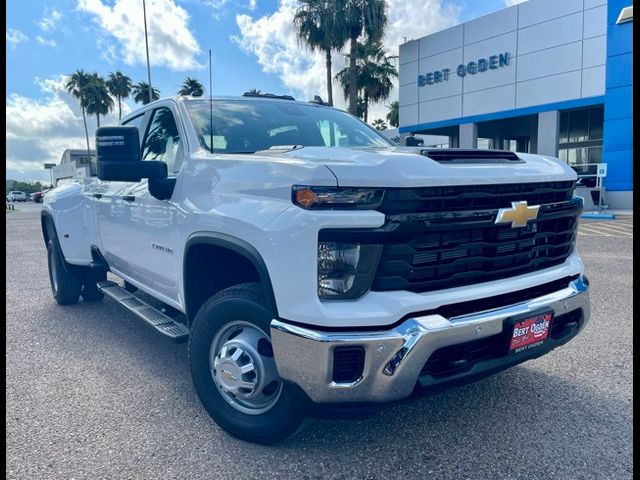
[[241, 126]]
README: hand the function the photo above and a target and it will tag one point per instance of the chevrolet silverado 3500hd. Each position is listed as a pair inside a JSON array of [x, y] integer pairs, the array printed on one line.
[[309, 260]]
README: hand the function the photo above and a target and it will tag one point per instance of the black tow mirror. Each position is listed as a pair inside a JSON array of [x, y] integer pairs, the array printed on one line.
[[118, 156]]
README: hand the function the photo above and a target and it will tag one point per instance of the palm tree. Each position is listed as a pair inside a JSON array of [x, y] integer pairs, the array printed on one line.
[[393, 116], [119, 85], [191, 86], [315, 22], [141, 93], [74, 86], [379, 124], [356, 18], [96, 97], [255, 90], [374, 73]]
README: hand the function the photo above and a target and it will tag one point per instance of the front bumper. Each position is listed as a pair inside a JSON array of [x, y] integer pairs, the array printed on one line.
[[395, 358]]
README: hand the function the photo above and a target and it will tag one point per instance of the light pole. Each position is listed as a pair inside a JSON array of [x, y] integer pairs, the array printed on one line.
[[146, 42], [49, 166]]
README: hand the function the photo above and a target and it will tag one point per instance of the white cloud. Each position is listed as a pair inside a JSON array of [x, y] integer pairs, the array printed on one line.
[[217, 7], [272, 39], [39, 131], [50, 42], [14, 37], [510, 3], [171, 43], [222, 7], [49, 22]]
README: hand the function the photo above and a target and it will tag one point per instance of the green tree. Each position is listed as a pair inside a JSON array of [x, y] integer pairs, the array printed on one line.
[[364, 19], [141, 93], [96, 97], [27, 187], [119, 85], [374, 74], [393, 117], [191, 86], [315, 22], [75, 84], [254, 90], [379, 124]]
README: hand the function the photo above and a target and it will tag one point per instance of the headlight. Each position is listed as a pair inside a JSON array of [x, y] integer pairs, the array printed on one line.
[[345, 270], [329, 198]]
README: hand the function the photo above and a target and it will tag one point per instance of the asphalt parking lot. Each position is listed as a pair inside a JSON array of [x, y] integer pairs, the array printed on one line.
[[92, 392]]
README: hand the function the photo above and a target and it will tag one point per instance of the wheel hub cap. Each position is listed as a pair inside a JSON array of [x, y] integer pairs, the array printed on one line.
[[235, 370], [243, 368]]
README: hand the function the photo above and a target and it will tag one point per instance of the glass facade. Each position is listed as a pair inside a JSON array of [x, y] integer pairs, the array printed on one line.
[[580, 141]]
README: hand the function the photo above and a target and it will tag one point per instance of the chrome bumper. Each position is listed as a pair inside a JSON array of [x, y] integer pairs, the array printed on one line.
[[395, 357]]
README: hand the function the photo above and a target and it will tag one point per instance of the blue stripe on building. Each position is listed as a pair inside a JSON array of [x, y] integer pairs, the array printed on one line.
[[617, 148]]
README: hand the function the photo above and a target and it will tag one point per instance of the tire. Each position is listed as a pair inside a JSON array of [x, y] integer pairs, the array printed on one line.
[[270, 417], [90, 291], [66, 282]]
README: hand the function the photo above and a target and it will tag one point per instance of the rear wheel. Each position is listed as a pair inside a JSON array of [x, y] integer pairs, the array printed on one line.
[[65, 280], [234, 371]]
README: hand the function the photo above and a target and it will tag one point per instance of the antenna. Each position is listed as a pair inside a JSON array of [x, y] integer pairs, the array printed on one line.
[[210, 105]]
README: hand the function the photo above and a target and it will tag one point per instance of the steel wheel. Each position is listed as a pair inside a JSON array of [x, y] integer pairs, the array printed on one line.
[[243, 368]]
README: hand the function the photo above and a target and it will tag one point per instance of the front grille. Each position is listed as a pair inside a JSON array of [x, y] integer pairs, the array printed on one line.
[[424, 256], [436, 238], [474, 197]]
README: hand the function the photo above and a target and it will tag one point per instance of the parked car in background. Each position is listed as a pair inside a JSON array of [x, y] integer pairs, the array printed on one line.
[[17, 196]]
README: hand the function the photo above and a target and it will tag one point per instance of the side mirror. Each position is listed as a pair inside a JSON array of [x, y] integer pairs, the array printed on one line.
[[118, 156]]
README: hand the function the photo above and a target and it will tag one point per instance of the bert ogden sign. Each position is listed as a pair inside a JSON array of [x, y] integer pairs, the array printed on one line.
[[482, 65]]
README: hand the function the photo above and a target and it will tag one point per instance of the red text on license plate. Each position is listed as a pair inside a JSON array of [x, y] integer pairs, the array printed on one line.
[[530, 332]]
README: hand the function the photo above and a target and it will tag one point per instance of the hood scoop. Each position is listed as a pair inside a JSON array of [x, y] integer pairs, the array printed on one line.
[[456, 156]]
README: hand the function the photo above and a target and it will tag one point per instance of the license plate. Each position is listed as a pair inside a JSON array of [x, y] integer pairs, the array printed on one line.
[[530, 332]]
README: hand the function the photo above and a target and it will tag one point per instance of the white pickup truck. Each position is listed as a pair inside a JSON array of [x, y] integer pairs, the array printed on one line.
[[309, 261], [17, 196]]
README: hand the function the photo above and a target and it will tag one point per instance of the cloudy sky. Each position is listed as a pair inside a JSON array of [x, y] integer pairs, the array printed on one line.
[[253, 44]]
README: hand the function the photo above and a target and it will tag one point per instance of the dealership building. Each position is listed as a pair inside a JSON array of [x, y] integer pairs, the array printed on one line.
[[552, 77]]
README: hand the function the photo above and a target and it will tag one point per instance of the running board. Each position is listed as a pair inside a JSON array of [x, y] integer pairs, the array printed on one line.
[[158, 320]]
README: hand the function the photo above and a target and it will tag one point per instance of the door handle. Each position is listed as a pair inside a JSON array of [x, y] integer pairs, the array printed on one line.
[[97, 195], [129, 198]]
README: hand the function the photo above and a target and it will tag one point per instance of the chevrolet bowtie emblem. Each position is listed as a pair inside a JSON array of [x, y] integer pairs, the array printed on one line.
[[519, 214]]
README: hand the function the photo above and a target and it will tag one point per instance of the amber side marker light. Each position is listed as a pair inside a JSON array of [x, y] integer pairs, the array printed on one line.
[[305, 197]]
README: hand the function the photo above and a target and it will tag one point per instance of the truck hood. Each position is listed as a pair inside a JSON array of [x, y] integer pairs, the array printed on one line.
[[406, 167]]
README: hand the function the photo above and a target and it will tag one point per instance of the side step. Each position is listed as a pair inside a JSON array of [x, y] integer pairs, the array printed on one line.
[[158, 320]]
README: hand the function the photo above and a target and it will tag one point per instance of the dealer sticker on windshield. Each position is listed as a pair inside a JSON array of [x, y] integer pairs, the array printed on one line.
[[530, 332]]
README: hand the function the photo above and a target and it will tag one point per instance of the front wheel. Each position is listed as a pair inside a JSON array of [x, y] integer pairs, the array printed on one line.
[[234, 371]]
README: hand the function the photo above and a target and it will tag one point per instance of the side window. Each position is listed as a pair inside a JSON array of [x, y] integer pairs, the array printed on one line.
[[162, 141], [135, 121]]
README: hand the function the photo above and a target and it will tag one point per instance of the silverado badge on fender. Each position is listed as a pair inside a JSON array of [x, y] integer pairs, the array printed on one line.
[[519, 214], [162, 248]]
